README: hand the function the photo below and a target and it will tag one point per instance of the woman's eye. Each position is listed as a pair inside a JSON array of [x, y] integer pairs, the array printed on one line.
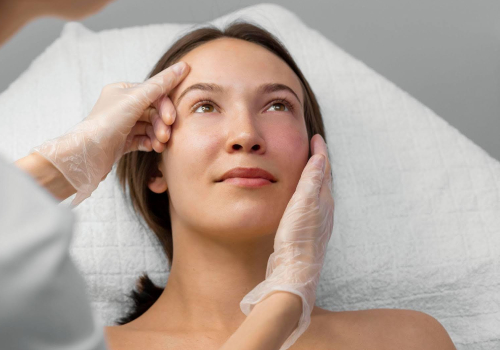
[[279, 103], [205, 107]]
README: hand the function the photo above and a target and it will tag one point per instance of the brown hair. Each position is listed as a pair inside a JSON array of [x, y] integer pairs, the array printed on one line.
[[136, 168]]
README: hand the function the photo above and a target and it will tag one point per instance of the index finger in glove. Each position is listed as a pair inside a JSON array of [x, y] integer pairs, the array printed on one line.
[[318, 146], [326, 194], [166, 109], [161, 129], [161, 84]]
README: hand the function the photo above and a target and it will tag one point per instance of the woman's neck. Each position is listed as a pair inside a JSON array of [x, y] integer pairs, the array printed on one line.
[[207, 281]]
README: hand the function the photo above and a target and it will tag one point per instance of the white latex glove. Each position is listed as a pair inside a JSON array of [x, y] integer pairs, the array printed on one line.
[[301, 240], [119, 122]]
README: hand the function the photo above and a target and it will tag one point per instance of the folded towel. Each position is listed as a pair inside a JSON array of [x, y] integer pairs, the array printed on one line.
[[417, 204]]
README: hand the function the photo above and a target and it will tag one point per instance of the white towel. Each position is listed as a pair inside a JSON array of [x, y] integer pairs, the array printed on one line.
[[417, 204]]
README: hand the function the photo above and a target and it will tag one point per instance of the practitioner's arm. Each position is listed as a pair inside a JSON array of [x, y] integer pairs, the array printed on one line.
[[268, 325], [46, 175], [43, 296]]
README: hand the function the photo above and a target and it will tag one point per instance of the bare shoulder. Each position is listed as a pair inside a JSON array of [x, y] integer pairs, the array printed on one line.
[[378, 329], [124, 337], [374, 329]]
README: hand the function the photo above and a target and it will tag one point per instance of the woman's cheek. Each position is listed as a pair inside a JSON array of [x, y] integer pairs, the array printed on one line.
[[204, 139], [291, 146], [290, 140]]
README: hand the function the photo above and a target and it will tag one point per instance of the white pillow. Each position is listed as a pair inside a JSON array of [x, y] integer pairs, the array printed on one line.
[[417, 204]]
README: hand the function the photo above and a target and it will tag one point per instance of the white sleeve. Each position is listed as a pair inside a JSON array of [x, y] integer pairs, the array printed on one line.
[[43, 300]]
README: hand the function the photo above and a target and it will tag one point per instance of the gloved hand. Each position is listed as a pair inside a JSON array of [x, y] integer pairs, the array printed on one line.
[[119, 122], [301, 240]]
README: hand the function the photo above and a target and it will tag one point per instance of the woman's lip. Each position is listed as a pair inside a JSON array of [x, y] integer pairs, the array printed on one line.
[[247, 181]]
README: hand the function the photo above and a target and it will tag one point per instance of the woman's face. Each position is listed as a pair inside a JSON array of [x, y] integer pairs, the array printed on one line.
[[240, 126]]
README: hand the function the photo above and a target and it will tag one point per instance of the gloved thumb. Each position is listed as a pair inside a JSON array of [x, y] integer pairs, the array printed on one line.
[[161, 84]]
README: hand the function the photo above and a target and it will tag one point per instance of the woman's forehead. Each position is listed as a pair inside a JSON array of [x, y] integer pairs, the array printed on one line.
[[237, 65], [234, 56]]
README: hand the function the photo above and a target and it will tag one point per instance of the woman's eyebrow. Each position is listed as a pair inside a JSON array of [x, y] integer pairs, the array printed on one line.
[[264, 88]]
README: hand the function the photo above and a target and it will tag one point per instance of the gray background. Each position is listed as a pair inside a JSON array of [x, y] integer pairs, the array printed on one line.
[[445, 53]]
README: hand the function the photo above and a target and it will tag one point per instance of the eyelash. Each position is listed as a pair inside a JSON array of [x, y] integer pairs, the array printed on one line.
[[282, 100]]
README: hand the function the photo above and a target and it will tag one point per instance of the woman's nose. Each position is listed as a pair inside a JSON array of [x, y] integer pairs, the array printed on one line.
[[245, 134]]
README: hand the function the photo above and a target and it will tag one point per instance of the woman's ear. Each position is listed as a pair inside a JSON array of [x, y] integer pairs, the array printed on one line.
[[157, 182]]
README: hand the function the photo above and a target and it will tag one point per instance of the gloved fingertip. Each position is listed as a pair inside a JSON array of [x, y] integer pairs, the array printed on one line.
[[319, 161], [179, 68]]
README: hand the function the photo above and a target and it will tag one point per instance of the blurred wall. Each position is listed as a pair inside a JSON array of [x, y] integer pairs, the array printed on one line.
[[445, 53]]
